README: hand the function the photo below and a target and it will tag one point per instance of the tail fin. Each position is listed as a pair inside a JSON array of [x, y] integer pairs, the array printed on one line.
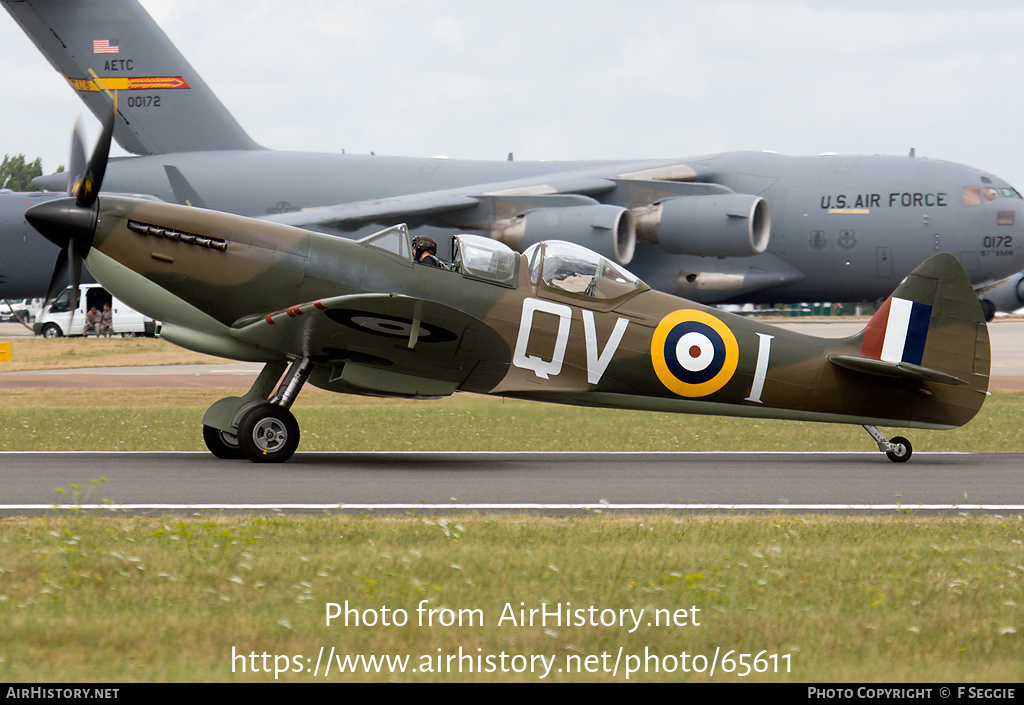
[[100, 46], [931, 329]]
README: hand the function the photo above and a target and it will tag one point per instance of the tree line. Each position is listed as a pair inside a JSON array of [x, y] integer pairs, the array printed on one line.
[[16, 173]]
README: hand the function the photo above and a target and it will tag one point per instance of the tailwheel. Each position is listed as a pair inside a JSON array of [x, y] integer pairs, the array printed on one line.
[[268, 433], [901, 450], [222, 444], [898, 450]]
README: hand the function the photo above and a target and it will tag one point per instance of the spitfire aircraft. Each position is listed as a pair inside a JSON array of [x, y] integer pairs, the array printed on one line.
[[557, 323], [715, 228]]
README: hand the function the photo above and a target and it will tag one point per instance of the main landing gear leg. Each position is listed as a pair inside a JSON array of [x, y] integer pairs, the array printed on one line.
[[258, 425], [219, 422], [898, 450], [267, 430]]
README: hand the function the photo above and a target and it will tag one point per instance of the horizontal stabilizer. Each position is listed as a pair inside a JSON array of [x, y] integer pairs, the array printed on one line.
[[905, 370]]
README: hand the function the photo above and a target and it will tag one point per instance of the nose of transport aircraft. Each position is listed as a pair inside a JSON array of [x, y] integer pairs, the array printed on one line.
[[993, 226], [1009, 219]]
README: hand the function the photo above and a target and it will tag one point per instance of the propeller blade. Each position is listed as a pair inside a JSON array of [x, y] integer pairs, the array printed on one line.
[[92, 180], [76, 273], [59, 272], [76, 165], [70, 223]]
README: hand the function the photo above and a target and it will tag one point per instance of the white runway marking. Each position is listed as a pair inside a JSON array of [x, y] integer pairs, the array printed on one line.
[[527, 506]]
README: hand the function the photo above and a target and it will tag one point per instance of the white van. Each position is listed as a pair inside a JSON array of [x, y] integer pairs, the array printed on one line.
[[19, 310], [58, 319]]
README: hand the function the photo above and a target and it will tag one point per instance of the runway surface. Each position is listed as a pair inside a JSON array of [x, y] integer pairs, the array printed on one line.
[[551, 482]]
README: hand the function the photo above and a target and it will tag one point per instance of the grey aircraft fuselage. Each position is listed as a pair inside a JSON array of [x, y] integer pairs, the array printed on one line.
[[25, 262], [843, 228]]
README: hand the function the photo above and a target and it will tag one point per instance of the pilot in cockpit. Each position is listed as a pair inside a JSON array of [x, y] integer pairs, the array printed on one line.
[[424, 251]]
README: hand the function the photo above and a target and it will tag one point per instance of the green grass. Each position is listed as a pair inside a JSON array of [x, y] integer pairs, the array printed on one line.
[[155, 419], [894, 599]]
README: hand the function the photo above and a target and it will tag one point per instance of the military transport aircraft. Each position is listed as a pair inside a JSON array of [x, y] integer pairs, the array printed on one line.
[[557, 323], [732, 227]]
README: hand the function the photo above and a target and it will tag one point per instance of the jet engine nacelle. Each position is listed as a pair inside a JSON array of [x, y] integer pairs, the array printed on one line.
[[713, 225], [1006, 297], [607, 230]]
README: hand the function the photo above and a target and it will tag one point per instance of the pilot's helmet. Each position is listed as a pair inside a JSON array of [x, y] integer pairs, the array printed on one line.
[[423, 244]]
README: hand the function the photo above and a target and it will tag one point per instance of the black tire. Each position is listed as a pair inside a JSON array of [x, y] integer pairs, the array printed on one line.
[[222, 444], [52, 330], [903, 450], [268, 433]]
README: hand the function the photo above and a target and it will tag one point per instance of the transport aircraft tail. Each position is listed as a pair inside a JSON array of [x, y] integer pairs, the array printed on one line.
[[114, 45]]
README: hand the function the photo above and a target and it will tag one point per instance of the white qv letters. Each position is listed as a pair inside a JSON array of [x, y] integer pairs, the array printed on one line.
[[597, 360]]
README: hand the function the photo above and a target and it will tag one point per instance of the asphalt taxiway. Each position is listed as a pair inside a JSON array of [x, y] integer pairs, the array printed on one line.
[[554, 482]]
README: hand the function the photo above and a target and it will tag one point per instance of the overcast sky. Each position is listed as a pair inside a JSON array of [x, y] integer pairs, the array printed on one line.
[[561, 79]]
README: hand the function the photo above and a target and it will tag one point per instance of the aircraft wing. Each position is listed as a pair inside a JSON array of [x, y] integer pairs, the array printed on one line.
[[603, 212], [383, 343], [525, 195], [339, 217]]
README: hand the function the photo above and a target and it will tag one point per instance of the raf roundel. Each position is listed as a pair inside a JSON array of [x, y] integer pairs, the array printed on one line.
[[694, 354], [393, 326]]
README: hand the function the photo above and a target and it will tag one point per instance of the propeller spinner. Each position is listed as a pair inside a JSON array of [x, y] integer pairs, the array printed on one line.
[[70, 223]]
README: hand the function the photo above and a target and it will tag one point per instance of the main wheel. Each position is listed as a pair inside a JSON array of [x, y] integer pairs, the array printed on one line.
[[222, 444], [268, 433], [902, 452]]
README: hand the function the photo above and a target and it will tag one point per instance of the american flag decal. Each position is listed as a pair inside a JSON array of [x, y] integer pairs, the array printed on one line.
[[898, 331], [105, 46]]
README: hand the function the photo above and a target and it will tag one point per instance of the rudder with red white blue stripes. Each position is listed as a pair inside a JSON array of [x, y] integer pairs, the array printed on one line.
[[898, 332]]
